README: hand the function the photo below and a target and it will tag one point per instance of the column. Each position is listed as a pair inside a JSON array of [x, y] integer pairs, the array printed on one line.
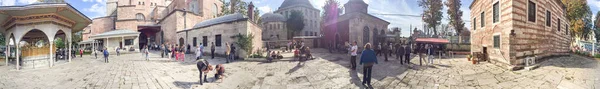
[[51, 54], [17, 54], [70, 48], [7, 52], [122, 41]]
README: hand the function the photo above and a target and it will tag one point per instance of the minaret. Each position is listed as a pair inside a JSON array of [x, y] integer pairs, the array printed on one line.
[[251, 11]]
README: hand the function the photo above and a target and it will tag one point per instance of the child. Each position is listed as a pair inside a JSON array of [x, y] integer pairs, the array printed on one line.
[[220, 70]]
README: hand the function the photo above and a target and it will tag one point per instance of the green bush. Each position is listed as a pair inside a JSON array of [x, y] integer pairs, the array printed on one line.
[[597, 56], [256, 56]]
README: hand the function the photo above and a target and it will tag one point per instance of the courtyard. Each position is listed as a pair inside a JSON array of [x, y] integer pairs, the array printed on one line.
[[131, 71]]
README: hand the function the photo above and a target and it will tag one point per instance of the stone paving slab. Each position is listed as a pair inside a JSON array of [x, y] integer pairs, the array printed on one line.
[[327, 71]]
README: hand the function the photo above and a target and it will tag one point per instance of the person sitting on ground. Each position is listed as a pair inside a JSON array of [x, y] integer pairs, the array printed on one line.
[[307, 53], [220, 70], [279, 56]]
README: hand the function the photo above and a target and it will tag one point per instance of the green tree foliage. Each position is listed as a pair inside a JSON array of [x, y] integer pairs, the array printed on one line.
[[245, 42], [331, 10], [597, 26], [239, 7], [432, 13], [2, 40], [576, 13], [455, 15], [76, 38], [59, 43], [295, 23]]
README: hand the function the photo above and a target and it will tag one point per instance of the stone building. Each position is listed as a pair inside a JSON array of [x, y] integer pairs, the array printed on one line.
[[32, 29], [354, 25], [273, 26], [222, 30], [511, 30], [311, 16], [157, 21]]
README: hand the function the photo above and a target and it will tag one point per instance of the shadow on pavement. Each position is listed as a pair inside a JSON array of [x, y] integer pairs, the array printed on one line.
[[185, 85], [298, 66]]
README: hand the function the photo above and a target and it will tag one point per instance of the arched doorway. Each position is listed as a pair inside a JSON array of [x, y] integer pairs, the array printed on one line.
[[375, 36], [143, 40], [60, 46], [181, 43], [34, 48], [366, 35]]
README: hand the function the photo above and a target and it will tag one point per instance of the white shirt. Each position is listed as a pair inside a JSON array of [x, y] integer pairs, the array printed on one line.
[[199, 51], [355, 49]]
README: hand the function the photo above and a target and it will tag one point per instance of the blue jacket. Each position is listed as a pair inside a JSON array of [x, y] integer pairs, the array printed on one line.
[[368, 56], [106, 53]]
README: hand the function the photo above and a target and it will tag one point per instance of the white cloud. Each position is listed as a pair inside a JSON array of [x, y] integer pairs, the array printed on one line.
[[594, 3], [7, 2], [98, 10], [87, 0], [367, 1], [27, 1], [265, 9]]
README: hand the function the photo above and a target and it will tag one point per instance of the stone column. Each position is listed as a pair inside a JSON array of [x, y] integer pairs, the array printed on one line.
[[7, 52], [17, 54], [70, 48], [51, 54]]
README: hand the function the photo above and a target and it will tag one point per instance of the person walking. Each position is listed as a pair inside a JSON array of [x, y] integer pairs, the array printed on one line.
[[390, 49], [384, 51], [162, 50], [80, 52], [95, 53], [227, 52], [353, 55], [212, 50], [378, 50], [400, 53], [368, 58], [431, 52], [199, 51], [117, 50], [233, 52], [105, 51], [147, 52], [173, 52], [201, 66], [407, 52]]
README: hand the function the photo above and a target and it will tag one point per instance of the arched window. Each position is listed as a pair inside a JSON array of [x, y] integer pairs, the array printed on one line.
[[139, 16], [215, 9], [366, 35]]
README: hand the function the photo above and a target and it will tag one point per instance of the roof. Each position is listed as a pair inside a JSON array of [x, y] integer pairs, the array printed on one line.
[[115, 33], [62, 9], [222, 19], [271, 17], [289, 3], [432, 40]]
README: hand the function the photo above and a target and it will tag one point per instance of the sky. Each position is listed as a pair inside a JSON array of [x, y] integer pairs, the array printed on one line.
[[97, 8]]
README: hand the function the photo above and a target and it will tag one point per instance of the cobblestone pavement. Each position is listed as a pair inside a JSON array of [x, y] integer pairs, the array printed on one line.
[[130, 71]]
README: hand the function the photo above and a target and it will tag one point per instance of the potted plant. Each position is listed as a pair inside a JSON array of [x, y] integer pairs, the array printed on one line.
[[469, 57]]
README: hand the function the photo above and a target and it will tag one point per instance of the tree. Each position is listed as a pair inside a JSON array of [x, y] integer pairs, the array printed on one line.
[[455, 15], [2, 40], [245, 42], [76, 38], [331, 11], [576, 12], [432, 13], [59, 43], [295, 23], [239, 7]]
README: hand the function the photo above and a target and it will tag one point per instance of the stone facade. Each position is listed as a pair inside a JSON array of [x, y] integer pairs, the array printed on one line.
[[226, 30], [520, 35], [99, 25], [356, 25]]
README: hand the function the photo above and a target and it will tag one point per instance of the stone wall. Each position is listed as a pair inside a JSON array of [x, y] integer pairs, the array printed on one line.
[[226, 30], [357, 25], [529, 37], [272, 29]]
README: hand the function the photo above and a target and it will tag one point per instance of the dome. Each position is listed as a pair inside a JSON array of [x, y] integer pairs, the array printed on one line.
[[288, 3], [271, 17]]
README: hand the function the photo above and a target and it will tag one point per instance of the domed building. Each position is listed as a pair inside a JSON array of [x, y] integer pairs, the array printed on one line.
[[273, 27], [311, 15]]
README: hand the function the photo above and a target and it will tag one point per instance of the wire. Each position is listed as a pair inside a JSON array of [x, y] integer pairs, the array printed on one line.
[[408, 15]]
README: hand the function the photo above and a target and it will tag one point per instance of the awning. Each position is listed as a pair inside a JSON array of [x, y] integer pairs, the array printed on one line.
[[89, 41], [116, 33], [432, 40]]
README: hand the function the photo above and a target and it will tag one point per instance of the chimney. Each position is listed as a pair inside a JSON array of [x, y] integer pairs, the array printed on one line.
[[233, 3], [251, 11]]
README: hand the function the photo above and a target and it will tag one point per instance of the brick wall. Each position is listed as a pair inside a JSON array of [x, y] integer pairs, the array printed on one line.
[[530, 37]]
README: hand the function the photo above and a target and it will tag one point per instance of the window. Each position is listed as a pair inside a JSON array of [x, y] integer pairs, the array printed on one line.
[[218, 40], [194, 41], [496, 12], [482, 19], [567, 29], [531, 12], [366, 35], [306, 33], [548, 19], [204, 40], [474, 23], [139, 16], [128, 41], [558, 25], [497, 41]]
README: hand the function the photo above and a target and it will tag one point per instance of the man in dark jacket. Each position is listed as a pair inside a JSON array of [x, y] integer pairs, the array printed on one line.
[[201, 66], [384, 51], [407, 52], [400, 52]]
